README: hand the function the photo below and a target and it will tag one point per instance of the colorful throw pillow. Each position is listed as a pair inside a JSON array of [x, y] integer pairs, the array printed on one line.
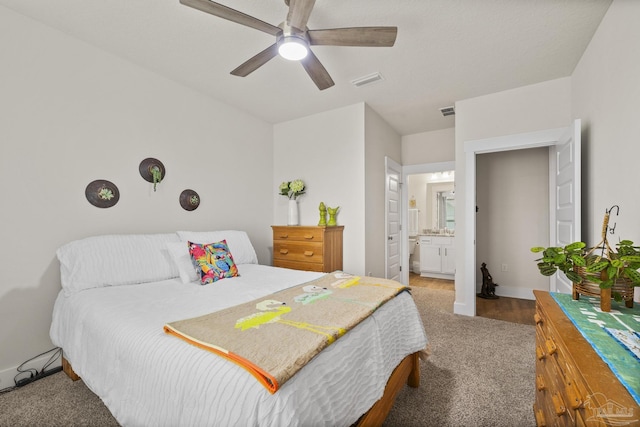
[[212, 261]]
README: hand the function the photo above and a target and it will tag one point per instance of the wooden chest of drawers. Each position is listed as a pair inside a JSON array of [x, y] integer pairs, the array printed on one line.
[[574, 386], [309, 248]]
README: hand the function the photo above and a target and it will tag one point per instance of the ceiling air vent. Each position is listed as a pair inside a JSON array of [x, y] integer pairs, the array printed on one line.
[[447, 111], [368, 79]]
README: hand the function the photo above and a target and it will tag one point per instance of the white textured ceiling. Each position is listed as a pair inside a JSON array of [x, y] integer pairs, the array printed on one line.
[[446, 50]]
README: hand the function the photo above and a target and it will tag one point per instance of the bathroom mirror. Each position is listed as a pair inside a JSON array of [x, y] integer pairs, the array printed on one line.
[[446, 210], [423, 197], [440, 207]]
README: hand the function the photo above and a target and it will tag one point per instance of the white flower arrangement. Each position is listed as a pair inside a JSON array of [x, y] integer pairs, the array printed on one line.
[[292, 189]]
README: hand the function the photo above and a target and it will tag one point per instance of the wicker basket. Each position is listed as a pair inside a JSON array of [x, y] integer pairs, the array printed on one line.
[[622, 287]]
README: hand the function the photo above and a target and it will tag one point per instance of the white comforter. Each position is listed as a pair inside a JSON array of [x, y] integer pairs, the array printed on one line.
[[114, 339]]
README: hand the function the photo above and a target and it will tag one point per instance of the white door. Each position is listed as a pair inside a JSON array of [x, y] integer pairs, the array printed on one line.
[[565, 197], [393, 220]]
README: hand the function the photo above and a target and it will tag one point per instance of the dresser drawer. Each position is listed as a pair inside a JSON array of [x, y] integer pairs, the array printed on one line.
[[298, 265], [311, 248], [298, 251], [300, 234]]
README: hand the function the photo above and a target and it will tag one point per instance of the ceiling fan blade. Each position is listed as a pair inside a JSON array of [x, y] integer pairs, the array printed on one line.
[[256, 61], [355, 36], [233, 15], [299, 12], [317, 72]]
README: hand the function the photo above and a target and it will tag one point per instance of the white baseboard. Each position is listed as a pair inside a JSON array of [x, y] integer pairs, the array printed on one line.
[[515, 292], [438, 275], [7, 377], [511, 292], [463, 309]]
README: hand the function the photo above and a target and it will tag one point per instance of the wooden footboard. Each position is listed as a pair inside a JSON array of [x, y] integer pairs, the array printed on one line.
[[67, 369], [407, 372]]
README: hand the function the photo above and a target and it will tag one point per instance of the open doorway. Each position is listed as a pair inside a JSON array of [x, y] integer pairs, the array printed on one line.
[[512, 215], [564, 200], [427, 217], [512, 193]]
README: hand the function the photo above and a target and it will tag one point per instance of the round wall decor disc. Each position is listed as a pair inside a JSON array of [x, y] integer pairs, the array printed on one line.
[[147, 165], [102, 193], [189, 200]]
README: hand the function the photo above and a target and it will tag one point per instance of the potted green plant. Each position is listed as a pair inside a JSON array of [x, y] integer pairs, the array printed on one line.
[[596, 271]]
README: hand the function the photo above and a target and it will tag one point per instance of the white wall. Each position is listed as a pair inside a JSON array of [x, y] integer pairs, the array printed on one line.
[[380, 141], [70, 114], [417, 189], [512, 193], [531, 108], [424, 152], [340, 155], [326, 151], [606, 95], [429, 147]]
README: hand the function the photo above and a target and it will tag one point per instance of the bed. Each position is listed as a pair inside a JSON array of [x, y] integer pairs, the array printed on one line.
[[119, 291]]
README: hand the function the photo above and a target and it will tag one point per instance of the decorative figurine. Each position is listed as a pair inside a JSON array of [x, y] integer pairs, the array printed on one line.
[[323, 214], [488, 287], [332, 216]]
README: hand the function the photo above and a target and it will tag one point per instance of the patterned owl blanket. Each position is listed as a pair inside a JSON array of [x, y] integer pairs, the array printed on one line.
[[275, 336]]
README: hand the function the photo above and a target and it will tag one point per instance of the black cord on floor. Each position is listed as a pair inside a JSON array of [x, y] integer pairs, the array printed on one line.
[[33, 373]]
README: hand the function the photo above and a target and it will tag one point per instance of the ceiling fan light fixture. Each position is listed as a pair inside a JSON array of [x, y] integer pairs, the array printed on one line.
[[293, 48]]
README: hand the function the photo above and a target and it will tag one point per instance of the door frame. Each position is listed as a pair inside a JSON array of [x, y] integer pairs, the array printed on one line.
[[413, 170], [466, 292]]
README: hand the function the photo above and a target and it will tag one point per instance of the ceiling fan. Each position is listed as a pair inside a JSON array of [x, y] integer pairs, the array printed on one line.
[[293, 38]]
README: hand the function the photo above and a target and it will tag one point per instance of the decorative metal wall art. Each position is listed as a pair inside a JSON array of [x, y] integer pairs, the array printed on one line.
[[152, 170], [189, 200], [102, 193]]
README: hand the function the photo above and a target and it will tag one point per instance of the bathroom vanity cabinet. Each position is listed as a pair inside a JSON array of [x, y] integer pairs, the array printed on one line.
[[437, 257]]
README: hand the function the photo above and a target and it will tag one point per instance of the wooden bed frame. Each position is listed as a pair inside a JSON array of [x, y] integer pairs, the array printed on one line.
[[407, 372]]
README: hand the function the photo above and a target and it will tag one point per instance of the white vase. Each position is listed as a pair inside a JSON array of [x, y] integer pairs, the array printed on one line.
[[293, 212]]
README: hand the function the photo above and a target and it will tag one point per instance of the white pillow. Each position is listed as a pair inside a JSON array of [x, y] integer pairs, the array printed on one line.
[[179, 252], [238, 242], [116, 260]]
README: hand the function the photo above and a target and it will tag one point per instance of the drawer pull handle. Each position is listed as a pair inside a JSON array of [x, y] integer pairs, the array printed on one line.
[[558, 404], [308, 236], [308, 253], [284, 251], [540, 383], [537, 318], [284, 236], [573, 395], [540, 353], [540, 418], [551, 346]]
